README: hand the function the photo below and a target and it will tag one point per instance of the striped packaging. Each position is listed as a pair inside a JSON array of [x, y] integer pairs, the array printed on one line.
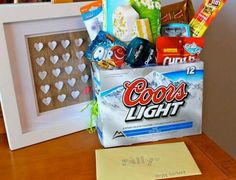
[[143, 29]]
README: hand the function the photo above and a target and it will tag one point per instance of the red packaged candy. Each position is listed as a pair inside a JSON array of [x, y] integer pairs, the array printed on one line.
[[178, 50]]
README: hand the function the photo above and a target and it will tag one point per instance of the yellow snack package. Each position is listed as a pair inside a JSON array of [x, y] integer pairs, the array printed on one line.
[[205, 15]]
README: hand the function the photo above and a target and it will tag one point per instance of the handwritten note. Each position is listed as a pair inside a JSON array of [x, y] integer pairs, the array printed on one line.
[[145, 162], [139, 161]]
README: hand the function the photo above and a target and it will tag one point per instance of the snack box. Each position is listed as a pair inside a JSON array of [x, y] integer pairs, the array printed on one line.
[[109, 7], [148, 104]]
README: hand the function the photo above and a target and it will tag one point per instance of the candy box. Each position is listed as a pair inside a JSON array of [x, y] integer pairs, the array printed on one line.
[[179, 12], [148, 104]]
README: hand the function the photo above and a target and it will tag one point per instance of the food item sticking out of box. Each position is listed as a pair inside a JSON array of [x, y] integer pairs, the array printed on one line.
[[173, 50], [205, 15], [176, 30], [150, 9], [123, 20], [114, 14], [92, 15], [107, 47], [123, 17], [180, 12], [140, 52], [110, 53], [143, 29]]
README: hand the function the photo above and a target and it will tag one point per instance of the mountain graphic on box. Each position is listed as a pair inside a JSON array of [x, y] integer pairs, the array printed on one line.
[[155, 79]]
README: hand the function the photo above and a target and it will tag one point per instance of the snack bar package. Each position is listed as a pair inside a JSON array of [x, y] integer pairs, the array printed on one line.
[[149, 9], [176, 30], [181, 12], [123, 21], [107, 64], [92, 15], [140, 53], [107, 47], [178, 50], [205, 15], [143, 29]]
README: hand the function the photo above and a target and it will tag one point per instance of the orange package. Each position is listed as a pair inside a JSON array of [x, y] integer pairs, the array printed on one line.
[[92, 16], [90, 6], [178, 50]]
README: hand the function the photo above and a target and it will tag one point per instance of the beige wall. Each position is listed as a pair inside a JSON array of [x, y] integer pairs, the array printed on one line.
[[219, 110], [219, 117]]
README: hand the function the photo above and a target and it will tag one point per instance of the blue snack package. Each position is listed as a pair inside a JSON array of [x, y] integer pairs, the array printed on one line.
[[141, 53], [176, 30], [92, 15], [107, 47]]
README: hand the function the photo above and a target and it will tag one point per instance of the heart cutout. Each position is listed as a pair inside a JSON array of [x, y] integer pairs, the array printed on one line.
[[75, 94], [45, 88], [66, 57], [54, 59], [56, 72], [71, 82], [38, 46], [42, 75], [59, 85], [79, 54], [79, 42], [52, 45], [40, 61], [84, 78], [65, 43], [86, 90], [47, 101], [61, 97], [68, 69], [82, 67]]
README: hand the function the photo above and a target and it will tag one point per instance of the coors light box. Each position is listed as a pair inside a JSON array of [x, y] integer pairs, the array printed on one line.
[[148, 104]]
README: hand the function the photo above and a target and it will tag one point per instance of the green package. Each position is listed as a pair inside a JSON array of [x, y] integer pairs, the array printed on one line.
[[150, 9]]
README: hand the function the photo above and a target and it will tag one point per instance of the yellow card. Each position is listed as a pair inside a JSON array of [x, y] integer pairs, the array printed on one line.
[[145, 162]]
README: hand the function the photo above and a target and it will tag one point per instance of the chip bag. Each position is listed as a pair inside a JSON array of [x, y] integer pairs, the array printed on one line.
[[178, 50]]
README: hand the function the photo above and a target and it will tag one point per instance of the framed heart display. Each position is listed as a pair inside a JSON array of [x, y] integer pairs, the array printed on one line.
[[45, 79], [60, 71]]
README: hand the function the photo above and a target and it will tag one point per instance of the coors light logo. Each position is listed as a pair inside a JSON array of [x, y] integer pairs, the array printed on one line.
[[149, 103]]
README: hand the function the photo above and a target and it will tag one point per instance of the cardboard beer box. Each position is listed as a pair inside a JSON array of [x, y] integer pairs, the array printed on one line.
[[148, 104]]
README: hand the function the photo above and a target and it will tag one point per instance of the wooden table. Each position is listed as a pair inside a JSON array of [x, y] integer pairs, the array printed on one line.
[[2, 129], [73, 157]]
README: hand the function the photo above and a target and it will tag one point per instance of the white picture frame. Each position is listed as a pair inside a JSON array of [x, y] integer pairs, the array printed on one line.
[[24, 126]]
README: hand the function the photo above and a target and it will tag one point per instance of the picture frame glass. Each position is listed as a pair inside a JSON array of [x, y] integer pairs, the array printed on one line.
[[51, 77]]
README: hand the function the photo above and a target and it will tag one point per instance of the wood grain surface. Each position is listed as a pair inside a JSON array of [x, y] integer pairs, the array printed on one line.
[[48, 67], [73, 157], [2, 127]]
